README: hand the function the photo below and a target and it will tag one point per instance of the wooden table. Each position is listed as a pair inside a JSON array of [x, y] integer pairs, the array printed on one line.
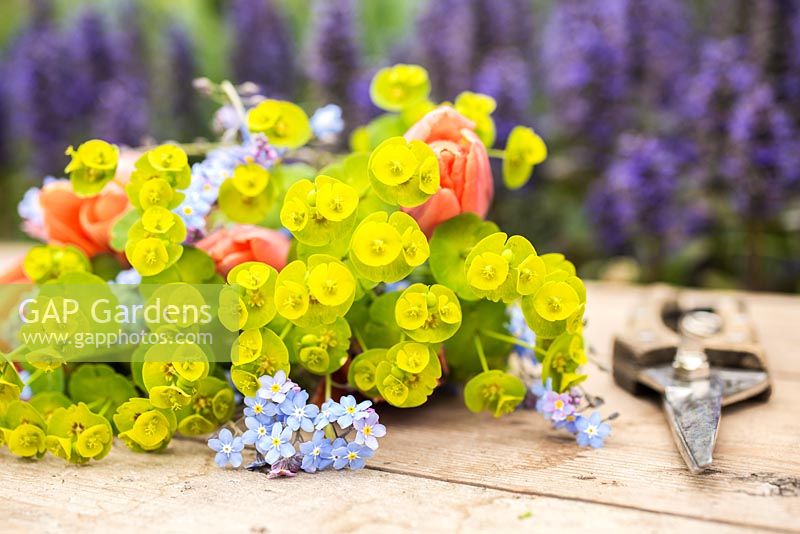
[[443, 468]]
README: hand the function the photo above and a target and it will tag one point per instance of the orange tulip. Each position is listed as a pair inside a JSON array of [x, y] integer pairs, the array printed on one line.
[[83, 222], [230, 247], [465, 173], [12, 273]]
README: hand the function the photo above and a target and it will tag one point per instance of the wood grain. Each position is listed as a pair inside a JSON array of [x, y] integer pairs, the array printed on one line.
[[441, 467], [182, 491]]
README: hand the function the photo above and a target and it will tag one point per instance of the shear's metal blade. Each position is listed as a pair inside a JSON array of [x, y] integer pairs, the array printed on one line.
[[693, 411], [737, 384]]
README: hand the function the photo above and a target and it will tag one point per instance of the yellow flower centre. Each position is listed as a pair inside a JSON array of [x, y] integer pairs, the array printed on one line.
[[395, 167], [329, 286], [150, 257], [151, 427], [169, 370], [352, 455], [255, 299], [336, 204], [492, 391], [276, 442]]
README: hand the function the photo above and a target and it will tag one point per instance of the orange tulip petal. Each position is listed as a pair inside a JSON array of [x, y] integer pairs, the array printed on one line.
[[273, 251], [443, 123], [478, 182], [14, 274], [211, 241], [440, 207], [232, 260]]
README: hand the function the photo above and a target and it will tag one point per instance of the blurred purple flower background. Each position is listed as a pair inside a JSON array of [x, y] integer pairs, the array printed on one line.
[[672, 124]]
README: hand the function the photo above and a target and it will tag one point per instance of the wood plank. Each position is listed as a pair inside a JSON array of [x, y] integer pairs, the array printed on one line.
[[456, 469], [756, 477], [756, 458], [182, 491]]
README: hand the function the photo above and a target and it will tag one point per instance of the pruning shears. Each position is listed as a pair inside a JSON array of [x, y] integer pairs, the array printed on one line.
[[700, 354]]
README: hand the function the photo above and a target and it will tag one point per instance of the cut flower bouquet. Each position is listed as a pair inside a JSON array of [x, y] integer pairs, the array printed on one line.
[[369, 274]]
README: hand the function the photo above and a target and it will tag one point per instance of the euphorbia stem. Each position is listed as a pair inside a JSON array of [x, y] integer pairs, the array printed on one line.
[[105, 408], [286, 330], [481, 355], [328, 386], [513, 341], [236, 102], [14, 353], [34, 377], [496, 153], [360, 340]]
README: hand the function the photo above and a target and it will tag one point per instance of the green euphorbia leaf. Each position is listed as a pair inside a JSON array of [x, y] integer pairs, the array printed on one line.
[[100, 387], [48, 402], [460, 352], [450, 245], [362, 373], [366, 138], [119, 231]]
